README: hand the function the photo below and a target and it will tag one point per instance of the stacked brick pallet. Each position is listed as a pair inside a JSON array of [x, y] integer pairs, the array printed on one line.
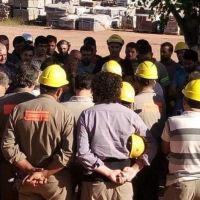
[[4, 11], [29, 9]]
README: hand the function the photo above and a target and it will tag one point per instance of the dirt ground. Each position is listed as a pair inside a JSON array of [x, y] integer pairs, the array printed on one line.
[[76, 37]]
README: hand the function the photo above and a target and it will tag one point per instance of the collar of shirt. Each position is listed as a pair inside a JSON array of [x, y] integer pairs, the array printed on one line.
[[21, 90], [81, 99], [191, 113], [47, 96]]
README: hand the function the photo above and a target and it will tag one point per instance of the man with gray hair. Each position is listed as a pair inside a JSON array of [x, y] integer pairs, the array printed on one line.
[[6, 67]]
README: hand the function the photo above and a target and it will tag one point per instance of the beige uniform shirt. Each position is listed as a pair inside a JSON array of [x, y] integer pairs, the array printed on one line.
[[77, 104], [151, 108], [41, 131]]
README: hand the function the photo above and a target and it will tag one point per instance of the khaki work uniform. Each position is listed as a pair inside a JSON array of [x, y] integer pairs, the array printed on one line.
[[41, 131], [7, 171]]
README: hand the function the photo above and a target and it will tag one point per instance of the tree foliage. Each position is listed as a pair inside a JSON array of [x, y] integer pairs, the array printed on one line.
[[186, 13]]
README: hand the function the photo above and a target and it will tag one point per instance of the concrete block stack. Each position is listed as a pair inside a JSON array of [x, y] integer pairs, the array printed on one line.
[[4, 11], [94, 22], [29, 9], [57, 11]]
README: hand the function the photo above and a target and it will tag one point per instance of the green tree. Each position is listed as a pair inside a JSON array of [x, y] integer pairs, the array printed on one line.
[[186, 13]]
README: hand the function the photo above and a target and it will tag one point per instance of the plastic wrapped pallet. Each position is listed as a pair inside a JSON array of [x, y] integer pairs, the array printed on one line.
[[94, 22], [69, 22], [111, 11]]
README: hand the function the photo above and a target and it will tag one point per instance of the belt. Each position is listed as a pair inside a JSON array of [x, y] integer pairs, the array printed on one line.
[[111, 163]]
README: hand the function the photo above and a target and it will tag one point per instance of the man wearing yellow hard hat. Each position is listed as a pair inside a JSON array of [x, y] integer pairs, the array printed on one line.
[[127, 96], [180, 49], [150, 106], [115, 44], [180, 142], [38, 141]]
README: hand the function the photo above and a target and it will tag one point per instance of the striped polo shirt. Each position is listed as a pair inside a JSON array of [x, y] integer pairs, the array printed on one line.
[[183, 133]]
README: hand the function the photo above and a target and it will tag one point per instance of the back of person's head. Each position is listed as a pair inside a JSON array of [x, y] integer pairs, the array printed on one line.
[[191, 94], [3, 37], [145, 82], [40, 40], [51, 38], [50, 61], [27, 76], [106, 87], [18, 40], [86, 48], [83, 81], [190, 55], [144, 47], [4, 80], [27, 47], [169, 45], [52, 79], [90, 41]]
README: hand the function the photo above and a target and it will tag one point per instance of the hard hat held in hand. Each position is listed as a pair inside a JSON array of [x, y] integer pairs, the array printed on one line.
[[113, 67], [192, 90], [53, 76], [127, 92], [136, 146], [147, 70]]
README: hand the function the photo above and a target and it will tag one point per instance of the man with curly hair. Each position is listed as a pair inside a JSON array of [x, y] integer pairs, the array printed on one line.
[[103, 132]]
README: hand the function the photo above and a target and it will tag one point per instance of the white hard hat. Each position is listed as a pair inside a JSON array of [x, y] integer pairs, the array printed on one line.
[[27, 37]]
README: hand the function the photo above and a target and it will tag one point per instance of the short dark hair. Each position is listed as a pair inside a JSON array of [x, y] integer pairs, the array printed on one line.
[[169, 45], [83, 81], [27, 48], [41, 40], [132, 45], [3, 37], [50, 61], [44, 89], [51, 38], [191, 55], [89, 41], [26, 76], [143, 47], [4, 80], [86, 48], [106, 87], [192, 103], [144, 81], [18, 40]]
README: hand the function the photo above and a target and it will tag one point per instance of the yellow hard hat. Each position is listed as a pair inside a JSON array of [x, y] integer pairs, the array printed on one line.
[[136, 146], [127, 92], [147, 70], [181, 46], [115, 39], [192, 90], [53, 76], [113, 67]]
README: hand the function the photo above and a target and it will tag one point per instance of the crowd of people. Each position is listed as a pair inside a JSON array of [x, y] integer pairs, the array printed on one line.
[[72, 121]]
